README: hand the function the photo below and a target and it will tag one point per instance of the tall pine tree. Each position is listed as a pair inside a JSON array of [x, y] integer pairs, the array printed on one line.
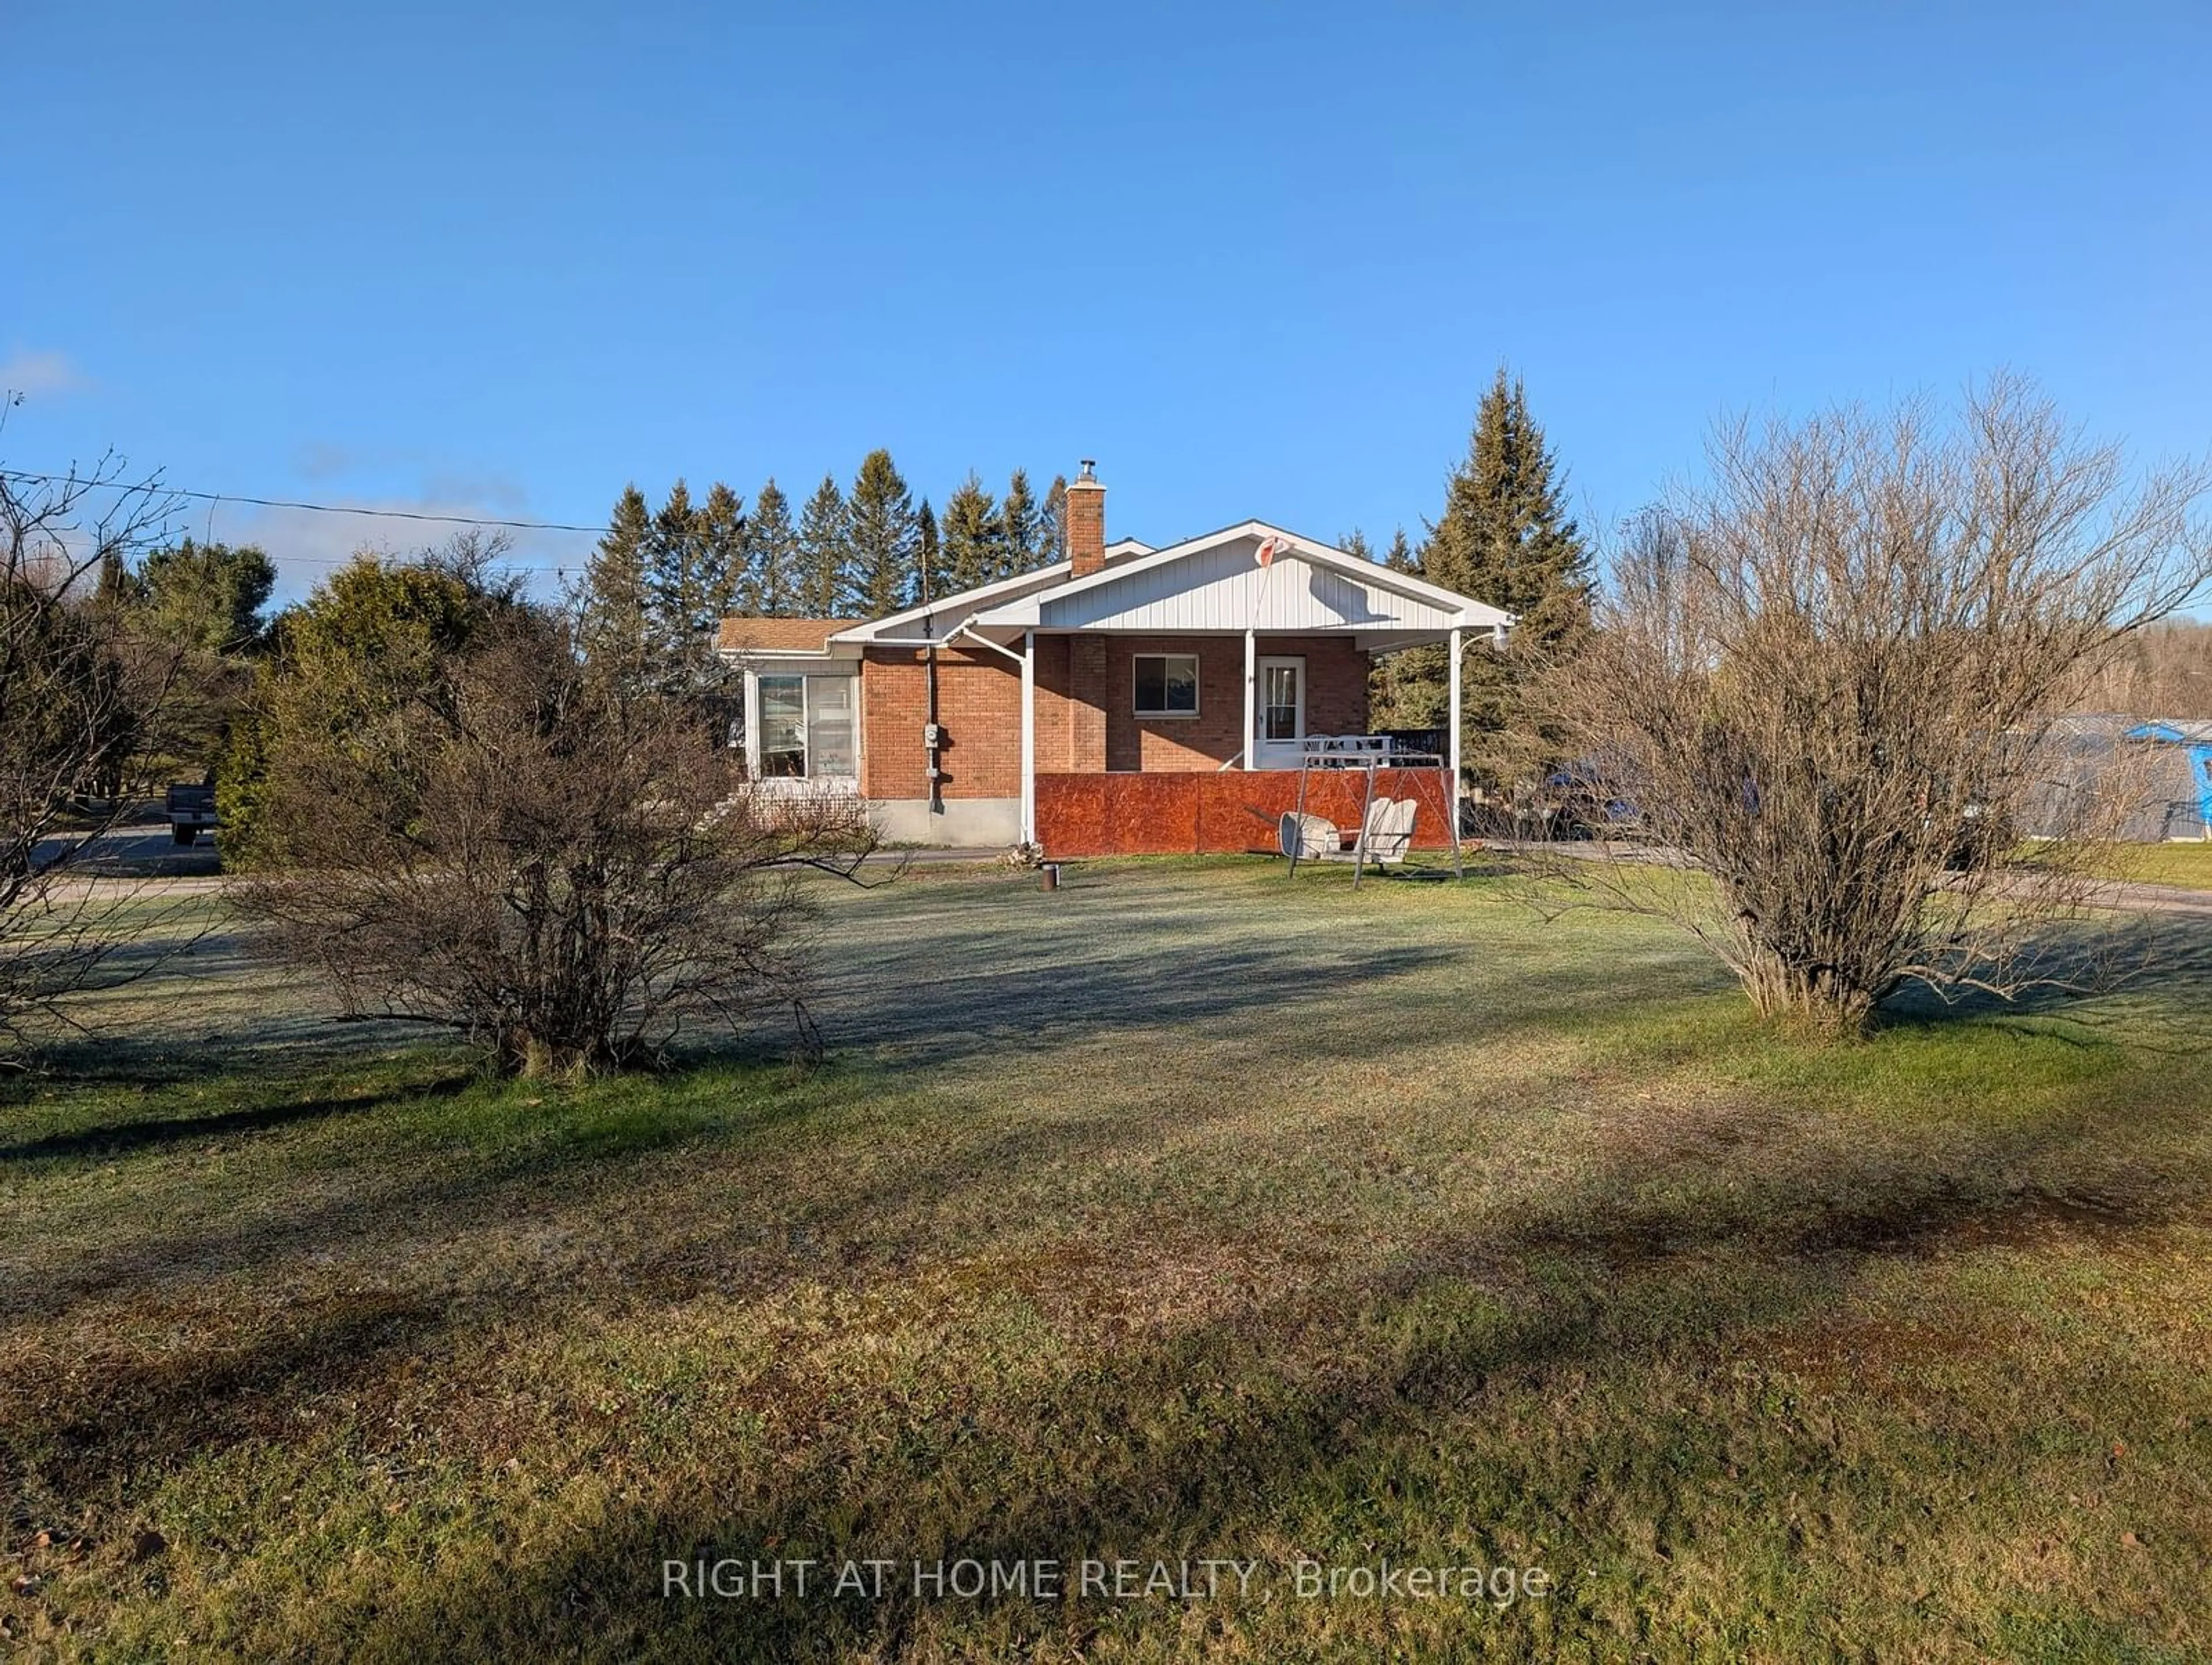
[[1404, 690], [1051, 543], [671, 563], [825, 553], [611, 601], [972, 529], [1504, 538], [772, 577], [722, 533], [1504, 535], [885, 532], [685, 592], [1018, 529], [928, 557]]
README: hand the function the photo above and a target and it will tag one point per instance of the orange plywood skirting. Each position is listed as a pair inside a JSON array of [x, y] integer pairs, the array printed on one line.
[[1190, 814]]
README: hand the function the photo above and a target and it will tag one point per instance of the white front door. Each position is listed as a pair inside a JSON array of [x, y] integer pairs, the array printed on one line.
[[1281, 717]]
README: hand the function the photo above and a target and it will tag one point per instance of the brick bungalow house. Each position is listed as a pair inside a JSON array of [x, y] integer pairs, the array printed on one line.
[[1125, 700]]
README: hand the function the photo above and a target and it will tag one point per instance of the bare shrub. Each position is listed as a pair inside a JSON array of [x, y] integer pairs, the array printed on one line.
[[1826, 680], [80, 700], [565, 875]]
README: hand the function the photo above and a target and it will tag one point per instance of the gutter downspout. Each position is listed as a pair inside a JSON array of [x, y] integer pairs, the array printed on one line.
[[933, 737]]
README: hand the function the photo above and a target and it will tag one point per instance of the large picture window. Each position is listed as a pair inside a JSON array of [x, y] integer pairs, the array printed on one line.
[[1167, 684], [806, 728]]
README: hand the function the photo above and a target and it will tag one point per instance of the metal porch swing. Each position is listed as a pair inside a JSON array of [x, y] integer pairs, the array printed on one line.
[[1386, 824]]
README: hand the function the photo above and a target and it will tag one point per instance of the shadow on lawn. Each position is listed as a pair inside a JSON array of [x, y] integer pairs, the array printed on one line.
[[140, 1415], [2151, 977], [993, 999], [121, 1138], [1622, 1270], [1239, 994]]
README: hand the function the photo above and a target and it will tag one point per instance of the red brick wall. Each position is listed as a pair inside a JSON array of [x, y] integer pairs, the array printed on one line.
[[1336, 682], [1336, 698], [1088, 682], [979, 701], [1055, 732], [1085, 718]]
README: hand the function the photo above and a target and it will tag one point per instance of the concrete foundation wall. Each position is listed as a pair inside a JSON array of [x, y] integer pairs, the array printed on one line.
[[967, 823]]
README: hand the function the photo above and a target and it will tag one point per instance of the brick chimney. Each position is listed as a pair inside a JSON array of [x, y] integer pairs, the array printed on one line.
[[1086, 522]]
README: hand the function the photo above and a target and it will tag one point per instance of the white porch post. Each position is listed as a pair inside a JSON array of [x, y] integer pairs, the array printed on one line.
[[1028, 737], [749, 692], [1454, 712], [1251, 697]]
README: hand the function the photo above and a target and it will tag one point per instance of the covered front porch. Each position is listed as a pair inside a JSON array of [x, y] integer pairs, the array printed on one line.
[[1165, 705], [1153, 700]]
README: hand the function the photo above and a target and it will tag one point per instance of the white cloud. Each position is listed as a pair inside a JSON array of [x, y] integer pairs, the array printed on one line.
[[40, 373]]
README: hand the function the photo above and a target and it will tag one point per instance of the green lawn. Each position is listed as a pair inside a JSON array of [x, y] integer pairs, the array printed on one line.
[[2186, 864], [1183, 1214]]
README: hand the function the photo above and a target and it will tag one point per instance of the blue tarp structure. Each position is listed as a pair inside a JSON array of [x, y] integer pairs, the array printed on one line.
[[2168, 765]]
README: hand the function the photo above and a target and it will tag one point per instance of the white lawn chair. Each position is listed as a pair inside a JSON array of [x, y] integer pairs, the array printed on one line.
[[1314, 838], [1391, 833], [1308, 838]]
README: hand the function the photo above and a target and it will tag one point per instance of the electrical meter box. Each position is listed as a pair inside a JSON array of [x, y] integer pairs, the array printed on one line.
[[932, 735]]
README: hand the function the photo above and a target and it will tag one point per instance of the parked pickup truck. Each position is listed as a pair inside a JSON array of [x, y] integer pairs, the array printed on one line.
[[191, 809]]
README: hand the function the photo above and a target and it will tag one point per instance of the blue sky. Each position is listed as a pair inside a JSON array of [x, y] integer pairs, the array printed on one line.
[[1257, 259]]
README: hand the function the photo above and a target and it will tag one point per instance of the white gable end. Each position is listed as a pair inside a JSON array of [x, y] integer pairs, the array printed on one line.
[[1226, 588]]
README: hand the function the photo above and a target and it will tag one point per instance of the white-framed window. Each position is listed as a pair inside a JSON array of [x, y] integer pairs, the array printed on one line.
[[805, 727], [1166, 684]]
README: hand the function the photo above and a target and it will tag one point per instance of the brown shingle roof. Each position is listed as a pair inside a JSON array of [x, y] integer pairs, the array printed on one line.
[[778, 635]]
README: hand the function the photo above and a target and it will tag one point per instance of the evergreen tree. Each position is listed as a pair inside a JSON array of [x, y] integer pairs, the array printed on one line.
[[206, 597], [1504, 535], [824, 565], [200, 605], [1019, 529], [1504, 538], [1354, 543], [772, 575], [686, 586], [884, 533], [722, 555], [670, 564], [611, 602], [973, 551], [1052, 523], [1402, 690], [928, 559], [116, 588]]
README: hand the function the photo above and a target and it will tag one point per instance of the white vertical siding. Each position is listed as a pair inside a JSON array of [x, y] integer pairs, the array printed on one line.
[[1227, 589]]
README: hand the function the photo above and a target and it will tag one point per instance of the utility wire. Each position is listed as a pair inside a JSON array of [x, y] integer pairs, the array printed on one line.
[[155, 486]]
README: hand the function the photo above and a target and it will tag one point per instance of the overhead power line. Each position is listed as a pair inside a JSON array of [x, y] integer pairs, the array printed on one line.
[[312, 508]]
